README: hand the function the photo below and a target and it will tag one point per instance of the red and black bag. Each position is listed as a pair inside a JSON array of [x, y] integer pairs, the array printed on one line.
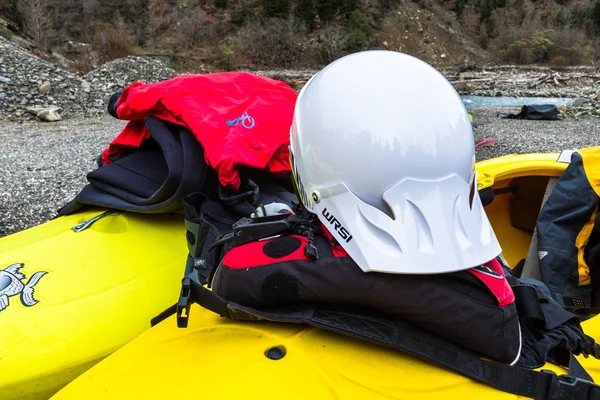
[[474, 308]]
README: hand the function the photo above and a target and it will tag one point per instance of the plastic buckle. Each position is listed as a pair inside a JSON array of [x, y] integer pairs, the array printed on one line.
[[569, 387], [202, 269], [310, 251], [184, 303], [249, 230]]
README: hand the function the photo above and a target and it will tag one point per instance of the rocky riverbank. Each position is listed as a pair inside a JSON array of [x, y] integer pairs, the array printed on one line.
[[44, 165], [580, 84], [31, 87], [497, 81]]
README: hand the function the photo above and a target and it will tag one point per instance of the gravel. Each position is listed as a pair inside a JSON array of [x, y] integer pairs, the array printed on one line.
[[29, 82], [525, 136], [42, 165]]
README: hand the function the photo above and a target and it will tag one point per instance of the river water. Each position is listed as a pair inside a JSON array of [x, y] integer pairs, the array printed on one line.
[[484, 101]]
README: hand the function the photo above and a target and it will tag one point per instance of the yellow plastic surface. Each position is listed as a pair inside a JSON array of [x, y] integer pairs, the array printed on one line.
[[494, 170], [497, 173], [102, 287], [218, 358]]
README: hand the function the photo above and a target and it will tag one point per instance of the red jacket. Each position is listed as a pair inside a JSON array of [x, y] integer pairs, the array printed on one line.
[[241, 119]]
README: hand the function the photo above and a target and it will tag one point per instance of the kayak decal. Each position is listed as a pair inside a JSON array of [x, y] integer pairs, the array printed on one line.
[[11, 285]]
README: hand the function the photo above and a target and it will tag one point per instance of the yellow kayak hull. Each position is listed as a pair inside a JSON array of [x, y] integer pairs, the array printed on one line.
[[218, 358], [100, 289]]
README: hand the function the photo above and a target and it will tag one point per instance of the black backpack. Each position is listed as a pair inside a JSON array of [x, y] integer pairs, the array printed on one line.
[[535, 111]]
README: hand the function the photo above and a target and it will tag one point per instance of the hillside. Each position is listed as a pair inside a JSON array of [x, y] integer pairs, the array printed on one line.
[[208, 35]]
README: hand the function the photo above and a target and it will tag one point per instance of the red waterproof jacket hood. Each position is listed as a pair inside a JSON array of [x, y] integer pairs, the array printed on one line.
[[241, 119]]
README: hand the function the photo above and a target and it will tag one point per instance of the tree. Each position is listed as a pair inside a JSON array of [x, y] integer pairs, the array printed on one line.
[[595, 15], [35, 18], [335, 38], [276, 8], [347, 7], [459, 6], [360, 31], [305, 11], [387, 5], [328, 9], [10, 10]]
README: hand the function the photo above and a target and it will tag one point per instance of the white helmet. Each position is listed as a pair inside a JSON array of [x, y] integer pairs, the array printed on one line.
[[383, 152]]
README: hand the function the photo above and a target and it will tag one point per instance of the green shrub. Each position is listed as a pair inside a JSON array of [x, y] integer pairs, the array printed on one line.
[[244, 11], [528, 51], [276, 8], [334, 42], [10, 10], [5, 32], [222, 4], [572, 45], [306, 12], [559, 61], [328, 9], [273, 43], [387, 5], [594, 15], [579, 15], [360, 31], [223, 57], [459, 6], [491, 27], [110, 43]]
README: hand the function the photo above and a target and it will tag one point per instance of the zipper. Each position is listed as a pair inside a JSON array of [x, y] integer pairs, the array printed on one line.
[[87, 223]]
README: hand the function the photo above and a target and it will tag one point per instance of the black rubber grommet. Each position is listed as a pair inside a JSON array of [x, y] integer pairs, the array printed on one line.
[[275, 353]]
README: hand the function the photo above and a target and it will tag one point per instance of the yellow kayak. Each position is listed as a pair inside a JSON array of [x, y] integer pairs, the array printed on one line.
[[219, 358], [75, 289]]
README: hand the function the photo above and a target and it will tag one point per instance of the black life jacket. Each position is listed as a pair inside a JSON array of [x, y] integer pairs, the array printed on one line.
[[292, 271], [277, 273], [568, 233]]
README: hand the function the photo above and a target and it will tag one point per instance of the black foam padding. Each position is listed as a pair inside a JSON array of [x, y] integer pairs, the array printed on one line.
[[281, 246], [280, 288], [487, 196]]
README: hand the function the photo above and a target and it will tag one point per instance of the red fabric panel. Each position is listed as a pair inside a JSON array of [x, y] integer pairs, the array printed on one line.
[[498, 285], [252, 255], [241, 119]]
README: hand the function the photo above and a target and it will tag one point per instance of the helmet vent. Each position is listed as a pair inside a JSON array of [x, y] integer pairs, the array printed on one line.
[[424, 237], [459, 225], [373, 233]]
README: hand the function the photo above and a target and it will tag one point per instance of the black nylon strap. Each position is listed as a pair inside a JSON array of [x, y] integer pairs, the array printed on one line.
[[323, 247], [528, 305], [400, 335], [193, 292], [163, 315], [240, 201], [587, 313]]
